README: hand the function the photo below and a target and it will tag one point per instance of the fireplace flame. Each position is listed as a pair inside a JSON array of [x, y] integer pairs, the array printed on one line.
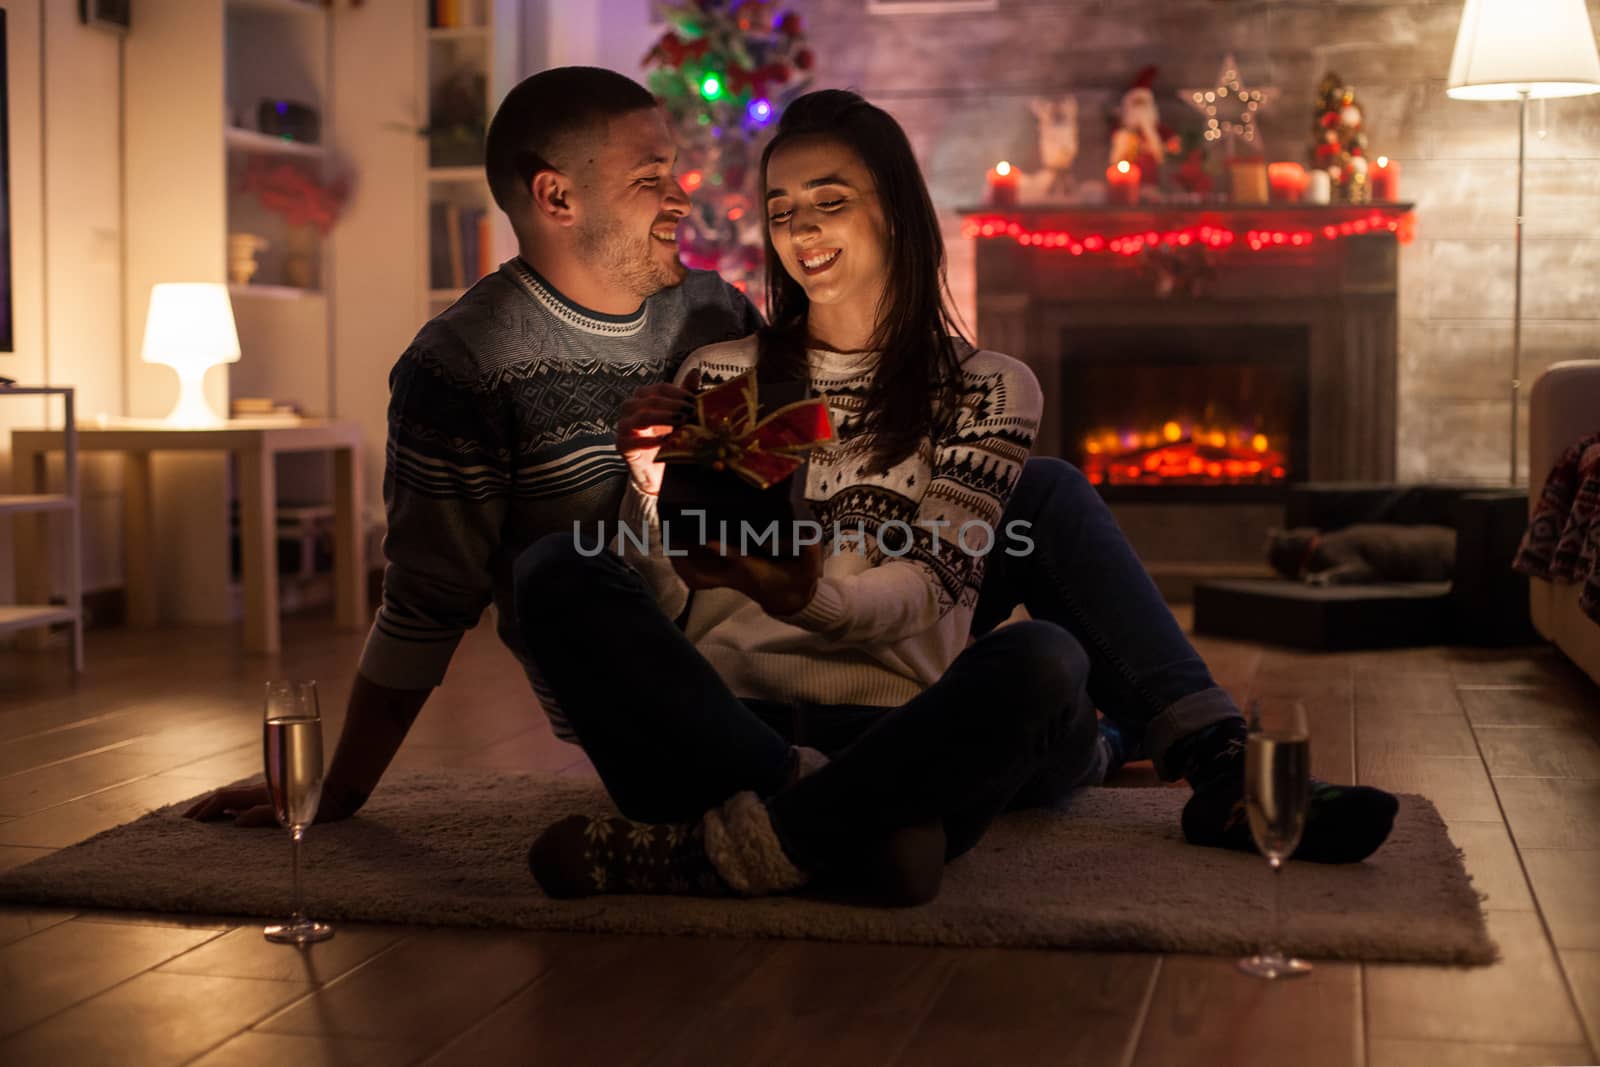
[[1180, 453]]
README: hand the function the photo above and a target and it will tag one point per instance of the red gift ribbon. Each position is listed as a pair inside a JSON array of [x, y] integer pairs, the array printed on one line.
[[729, 434]]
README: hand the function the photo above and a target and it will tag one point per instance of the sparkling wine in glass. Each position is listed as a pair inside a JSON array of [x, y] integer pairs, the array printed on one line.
[[1277, 792], [292, 748]]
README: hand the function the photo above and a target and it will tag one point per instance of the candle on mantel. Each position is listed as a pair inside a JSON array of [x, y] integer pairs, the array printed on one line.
[[1383, 181], [1288, 181], [1122, 183], [1004, 182], [1319, 187]]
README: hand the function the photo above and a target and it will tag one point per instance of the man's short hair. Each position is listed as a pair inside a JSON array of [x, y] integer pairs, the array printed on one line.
[[544, 115]]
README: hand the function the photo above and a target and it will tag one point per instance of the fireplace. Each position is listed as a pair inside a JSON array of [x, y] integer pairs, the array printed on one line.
[[1163, 412], [1192, 407]]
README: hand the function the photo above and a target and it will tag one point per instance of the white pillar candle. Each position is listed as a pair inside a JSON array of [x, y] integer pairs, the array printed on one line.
[[1319, 188]]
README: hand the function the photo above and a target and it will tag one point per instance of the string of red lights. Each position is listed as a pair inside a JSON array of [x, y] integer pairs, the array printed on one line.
[[1209, 235]]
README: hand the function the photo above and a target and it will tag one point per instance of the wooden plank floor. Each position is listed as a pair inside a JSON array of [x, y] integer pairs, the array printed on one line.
[[1507, 743]]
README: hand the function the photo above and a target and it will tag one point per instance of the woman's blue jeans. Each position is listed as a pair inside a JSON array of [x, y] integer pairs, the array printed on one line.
[[1083, 575]]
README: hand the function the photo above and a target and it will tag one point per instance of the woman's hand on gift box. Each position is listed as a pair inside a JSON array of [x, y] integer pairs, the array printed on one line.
[[782, 586], [650, 414]]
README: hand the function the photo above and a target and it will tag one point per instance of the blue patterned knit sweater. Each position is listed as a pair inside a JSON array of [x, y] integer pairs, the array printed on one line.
[[502, 418]]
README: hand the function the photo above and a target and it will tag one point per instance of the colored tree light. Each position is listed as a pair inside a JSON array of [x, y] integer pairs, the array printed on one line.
[[711, 87], [760, 111]]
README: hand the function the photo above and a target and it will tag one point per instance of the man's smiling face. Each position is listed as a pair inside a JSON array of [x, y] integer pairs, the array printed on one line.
[[631, 205]]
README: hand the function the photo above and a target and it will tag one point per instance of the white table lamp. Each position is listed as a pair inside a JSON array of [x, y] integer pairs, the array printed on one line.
[[190, 329], [1521, 50]]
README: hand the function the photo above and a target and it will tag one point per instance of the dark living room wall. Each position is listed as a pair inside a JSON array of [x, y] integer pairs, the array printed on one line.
[[961, 83]]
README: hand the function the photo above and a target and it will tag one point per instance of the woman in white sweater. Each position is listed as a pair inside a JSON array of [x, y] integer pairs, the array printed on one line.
[[820, 716]]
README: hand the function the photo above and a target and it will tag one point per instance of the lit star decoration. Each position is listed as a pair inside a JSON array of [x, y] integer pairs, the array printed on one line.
[[1400, 223], [1229, 108]]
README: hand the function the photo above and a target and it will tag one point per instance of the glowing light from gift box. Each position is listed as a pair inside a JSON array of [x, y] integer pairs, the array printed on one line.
[[729, 433]]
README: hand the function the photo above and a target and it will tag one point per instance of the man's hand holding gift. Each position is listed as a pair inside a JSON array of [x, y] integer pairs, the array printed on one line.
[[647, 418]]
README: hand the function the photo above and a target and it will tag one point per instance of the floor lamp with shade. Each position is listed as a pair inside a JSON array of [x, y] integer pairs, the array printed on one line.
[[1522, 50]]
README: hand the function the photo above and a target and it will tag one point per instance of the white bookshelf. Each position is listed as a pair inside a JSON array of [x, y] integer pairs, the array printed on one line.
[[474, 64], [247, 140], [33, 541], [195, 76]]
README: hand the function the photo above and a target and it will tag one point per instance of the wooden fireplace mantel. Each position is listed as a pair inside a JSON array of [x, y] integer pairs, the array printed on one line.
[[1343, 290]]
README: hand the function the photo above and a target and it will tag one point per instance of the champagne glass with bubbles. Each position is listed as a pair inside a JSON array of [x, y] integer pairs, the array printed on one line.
[[1277, 792], [292, 747]]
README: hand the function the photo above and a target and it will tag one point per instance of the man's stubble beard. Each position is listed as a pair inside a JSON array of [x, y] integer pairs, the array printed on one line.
[[626, 260]]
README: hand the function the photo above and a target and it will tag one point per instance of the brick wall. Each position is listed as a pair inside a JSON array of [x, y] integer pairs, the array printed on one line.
[[960, 84]]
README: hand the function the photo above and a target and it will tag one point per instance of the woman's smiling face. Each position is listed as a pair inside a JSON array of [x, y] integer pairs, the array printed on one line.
[[827, 224]]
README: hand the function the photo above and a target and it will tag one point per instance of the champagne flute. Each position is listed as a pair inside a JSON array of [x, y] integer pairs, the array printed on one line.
[[1277, 792], [292, 747]]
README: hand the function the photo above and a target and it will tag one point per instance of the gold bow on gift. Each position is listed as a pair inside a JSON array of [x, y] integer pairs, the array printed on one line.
[[729, 434]]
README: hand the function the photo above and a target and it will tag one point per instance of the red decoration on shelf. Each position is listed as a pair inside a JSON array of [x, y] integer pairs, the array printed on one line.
[[289, 189], [1004, 184], [1209, 235], [1384, 180], [1287, 181], [1122, 182]]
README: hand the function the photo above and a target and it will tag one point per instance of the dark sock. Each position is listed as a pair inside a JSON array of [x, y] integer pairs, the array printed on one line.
[[584, 855], [1215, 753], [1344, 824]]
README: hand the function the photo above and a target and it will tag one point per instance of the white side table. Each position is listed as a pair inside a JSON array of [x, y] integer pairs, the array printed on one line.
[[255, 444]]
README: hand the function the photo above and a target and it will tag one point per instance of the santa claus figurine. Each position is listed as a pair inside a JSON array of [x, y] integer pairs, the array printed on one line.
[[1140, 138]]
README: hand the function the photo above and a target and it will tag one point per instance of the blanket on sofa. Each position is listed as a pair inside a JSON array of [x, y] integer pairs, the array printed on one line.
[[1563, 538]]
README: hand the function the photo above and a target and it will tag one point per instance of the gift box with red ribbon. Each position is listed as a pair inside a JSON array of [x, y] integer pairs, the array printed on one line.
[[736, 462]]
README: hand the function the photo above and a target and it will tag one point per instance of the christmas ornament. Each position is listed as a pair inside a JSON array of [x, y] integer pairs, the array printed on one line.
[[1230, 109], [1058, 147], [1339, 139], [723, 72], [1139, 138]]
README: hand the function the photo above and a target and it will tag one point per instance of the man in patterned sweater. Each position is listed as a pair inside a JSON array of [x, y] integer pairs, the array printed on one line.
[[501, 429], [503, 410]]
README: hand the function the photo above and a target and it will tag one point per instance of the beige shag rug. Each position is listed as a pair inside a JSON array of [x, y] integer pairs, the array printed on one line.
[[1110, 871]]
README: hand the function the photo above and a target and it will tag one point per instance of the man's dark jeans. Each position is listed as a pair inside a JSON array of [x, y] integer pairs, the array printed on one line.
[[670, 741]]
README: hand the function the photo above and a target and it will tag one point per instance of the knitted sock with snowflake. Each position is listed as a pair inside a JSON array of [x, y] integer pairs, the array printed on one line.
[[1344, 824], [732, 850]]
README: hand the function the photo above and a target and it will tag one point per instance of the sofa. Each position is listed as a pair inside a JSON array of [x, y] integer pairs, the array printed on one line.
[[1564, 405]]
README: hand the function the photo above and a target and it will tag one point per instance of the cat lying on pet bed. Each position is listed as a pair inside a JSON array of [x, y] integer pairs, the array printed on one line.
[[1369, 552]]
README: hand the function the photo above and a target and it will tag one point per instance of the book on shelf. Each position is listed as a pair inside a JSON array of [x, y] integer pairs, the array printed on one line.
[[452, 14], [458, 245]]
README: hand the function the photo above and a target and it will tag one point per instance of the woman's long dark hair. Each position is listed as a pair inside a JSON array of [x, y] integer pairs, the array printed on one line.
[[913, 392]]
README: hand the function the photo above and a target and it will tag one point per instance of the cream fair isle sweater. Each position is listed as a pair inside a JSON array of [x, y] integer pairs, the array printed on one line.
[[887, 619]]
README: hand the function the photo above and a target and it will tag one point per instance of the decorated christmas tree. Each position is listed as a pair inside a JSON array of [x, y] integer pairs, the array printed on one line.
[[723, 71], [1339, 139]]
